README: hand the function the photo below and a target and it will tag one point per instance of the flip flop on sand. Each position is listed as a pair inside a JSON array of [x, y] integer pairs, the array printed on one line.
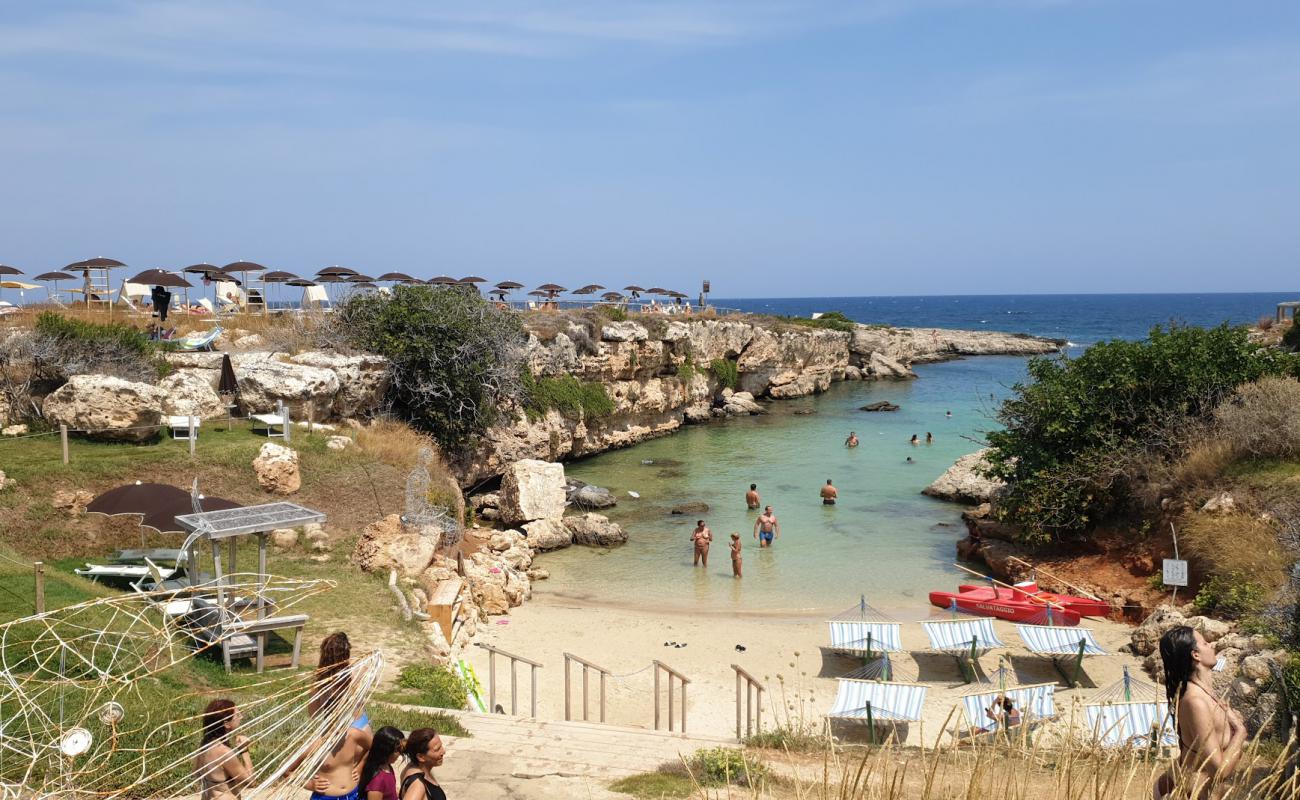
[[740, 648], [670, 644]]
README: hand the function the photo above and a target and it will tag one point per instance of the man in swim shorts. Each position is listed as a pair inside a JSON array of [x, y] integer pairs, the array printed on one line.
[[751, 497], [852, 441], [702, 537], [766, 528], [829, 493]]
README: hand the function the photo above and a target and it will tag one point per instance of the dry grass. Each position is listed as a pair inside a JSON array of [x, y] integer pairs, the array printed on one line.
[[393, 442], [1235, 543], [1204, 463], [1262, 420]]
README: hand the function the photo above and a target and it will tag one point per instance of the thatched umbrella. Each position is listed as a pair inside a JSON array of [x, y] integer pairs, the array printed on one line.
[[509, 285], [472, 279], [335, 270], [54, 277], [613, 296], [302, 282], [590, 288]]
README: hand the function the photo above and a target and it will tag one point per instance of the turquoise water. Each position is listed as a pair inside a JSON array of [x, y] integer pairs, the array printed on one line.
[[883, 539]]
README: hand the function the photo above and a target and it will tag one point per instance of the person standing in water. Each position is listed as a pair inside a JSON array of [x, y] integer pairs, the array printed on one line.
[[914, 441], [1211, 735], [735, 555], [829, 493], [766, 528], [701, 537], [751, 497], [929, 438], [852, 441]]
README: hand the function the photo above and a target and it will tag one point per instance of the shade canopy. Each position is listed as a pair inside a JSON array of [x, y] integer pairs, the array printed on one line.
[[54, 276], [202, 269], [538, 293], [333, 277], [443, 280], [472, 279], [300, 282], [509, 285], [96, 263], [244, 266], [17, 285], [365, 285], [361, 279], [157, 504], [4, 270], [394, 276], [552, 287], [159, 277], [278, 276], [336, 270], [633, 288], [611, 296], [590, 288], [656, 290]]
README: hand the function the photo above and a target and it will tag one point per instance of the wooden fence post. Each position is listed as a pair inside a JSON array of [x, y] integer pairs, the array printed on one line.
[[193, 434], [311, 418], [63, 439], [40, 587]]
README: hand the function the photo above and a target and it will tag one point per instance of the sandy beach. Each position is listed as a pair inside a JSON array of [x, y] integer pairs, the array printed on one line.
[[781, 649]]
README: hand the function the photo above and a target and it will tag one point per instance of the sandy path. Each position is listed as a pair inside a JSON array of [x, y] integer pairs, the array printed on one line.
[[780, 649]]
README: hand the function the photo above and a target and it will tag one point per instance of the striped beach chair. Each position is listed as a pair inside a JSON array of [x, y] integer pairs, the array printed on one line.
[[1070, 644], [1035, 702], [1131, 724], [877, 703], [963, 639], [865, 639]]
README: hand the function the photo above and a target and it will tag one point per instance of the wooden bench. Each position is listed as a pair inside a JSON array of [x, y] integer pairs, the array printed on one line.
[[444, 601]]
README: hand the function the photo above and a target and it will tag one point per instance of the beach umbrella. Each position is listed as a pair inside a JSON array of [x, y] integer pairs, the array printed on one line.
[[227, 384], [157, 504], [21, 286], [552, 287], [611, 296], [54, 277], [300, 282], [365, 285], [201, 269], [161, 277], [360, 279], [4, 270], [336, 270], [442, 280], [472, 279], [243, 267], [657, 290], [590, 288], [633, 288], [400, 277], [95, 263], [538, 293], [509, 285], [278, 276]]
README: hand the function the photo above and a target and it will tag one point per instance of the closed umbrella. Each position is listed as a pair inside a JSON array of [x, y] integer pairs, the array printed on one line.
[[228, 386]]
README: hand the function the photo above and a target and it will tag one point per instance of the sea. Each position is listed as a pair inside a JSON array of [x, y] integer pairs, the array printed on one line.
[[884, 540]]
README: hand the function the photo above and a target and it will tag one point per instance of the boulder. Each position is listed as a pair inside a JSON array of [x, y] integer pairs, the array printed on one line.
[[488, 500], [882, 367], [338, 442], [963, 481], [14, 430], [880, 405], [190, 393], [626, 331], [107, 407], [1221, 503], [388, 544], [587, 496], [1257, 668], [253, 341], [547, 534], [284, 538], [532, 489], [73, 501], [693, 507], [519, 558], [276, 467], [740, 404], [265, 384], [5, 481], [363, 381], [1145, 639], [1212, 630], [595, 530], [852, 373]]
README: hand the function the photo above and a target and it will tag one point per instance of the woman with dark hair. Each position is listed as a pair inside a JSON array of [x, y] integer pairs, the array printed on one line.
[[223, 764], [339, 775], [424, 751], [332, 680], [1210, 735], [377, 777]]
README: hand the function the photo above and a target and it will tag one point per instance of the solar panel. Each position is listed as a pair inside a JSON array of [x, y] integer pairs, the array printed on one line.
[[250, 519]]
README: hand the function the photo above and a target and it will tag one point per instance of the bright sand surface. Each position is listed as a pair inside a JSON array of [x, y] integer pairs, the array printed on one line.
[[782, 650]]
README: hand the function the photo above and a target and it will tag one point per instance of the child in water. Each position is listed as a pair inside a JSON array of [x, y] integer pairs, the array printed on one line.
[[735, 555]]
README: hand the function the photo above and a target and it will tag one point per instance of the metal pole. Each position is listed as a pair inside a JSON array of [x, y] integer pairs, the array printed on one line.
[[40, 586], [63, 440]]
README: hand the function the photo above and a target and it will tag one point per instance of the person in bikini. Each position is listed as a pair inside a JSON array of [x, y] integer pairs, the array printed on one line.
[[751, 497], [702, 537], [223, 764], [735, 555], [766, 528], [829, 493], [1211, 736]]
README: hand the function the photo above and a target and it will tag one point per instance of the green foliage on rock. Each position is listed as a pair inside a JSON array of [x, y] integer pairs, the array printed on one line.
[[686, 370], [831, 320], [1291, 336], [453, 357], [568, 395], [1231, 596], [1073, 433], [434, 685], [726, 371], [73, 346]]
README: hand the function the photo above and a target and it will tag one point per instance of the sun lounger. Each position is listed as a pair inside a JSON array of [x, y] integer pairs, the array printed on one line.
[[121, 576], [156, 554], [864, 639], [270, 422], [1058, 643], [199, 341], [1036, 704], [963, 639], [181, 426], [1135, 724], [877, 702]]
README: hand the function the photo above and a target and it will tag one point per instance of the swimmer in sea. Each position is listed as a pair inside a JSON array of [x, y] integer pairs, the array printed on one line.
[[852, 441], [929, 438], [914, 441], [751, 497], [829, 493]]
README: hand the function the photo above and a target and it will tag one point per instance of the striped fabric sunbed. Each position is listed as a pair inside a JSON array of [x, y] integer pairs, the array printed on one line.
[[866, 639], [878, 701], [963, 639], [1036, 702], [1131, 724], [1057, 642]]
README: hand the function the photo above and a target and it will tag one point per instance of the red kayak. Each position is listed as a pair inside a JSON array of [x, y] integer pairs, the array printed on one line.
[[1023, 603]]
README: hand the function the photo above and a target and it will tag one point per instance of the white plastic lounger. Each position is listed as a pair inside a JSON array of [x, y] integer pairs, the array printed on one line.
[[878, 701], [181, 427], [1057, 643], [199, 341], [963, 639], [865, 639], [1036, 703], [119, 572], [270, 422], [1131, 724]]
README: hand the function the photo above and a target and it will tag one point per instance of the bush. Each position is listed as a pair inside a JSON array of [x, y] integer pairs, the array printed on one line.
[[686, 370], [1229, 596], [726, 371], [437, 686], [114, 348], [566, 394], [453, 357], [1265, 323], [831, 320], [721, 765], [612, 313], [1073, 435], [1291, 336], [1237, 543], [1262, 420]]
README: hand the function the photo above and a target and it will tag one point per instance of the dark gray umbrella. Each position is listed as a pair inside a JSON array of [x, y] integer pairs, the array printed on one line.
[[472, 279], [55, 277], [227, 385], [157, 504], [160, 277], [633, 288], [300, 282], [395, 276], [590, 288], [360, 279], [336, 270], [509, 285], [202, 269], [96, 263], [442, 280], [9, 270]]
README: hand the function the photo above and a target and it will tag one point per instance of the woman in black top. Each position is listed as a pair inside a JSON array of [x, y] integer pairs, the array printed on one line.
[[424, 750]]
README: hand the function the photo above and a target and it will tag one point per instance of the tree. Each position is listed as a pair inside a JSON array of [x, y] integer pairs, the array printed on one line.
[[453, 357]]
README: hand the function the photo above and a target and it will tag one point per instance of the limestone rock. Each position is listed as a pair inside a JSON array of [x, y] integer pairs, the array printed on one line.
[[388, 544], [1211, 629], [596, 530], [265, 384], [963, 483], [530, 490], [692, 507], [110, 408], [1257, 668], [538, 574], [363, 381], [547, 534], [487, 500], [5, 481], [338, 442], [882, 367], [14, 430], [1145, 638], [284, 538], [500, 542], [880, 405], [626, 331], [1220, 503], [518, 557], [852, 373], [276, 467], [73, 501], [583, 495], [189, 393], [740, 404], [252, 341]]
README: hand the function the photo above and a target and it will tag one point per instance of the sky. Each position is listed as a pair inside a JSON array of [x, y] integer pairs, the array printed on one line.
[[774, 147]]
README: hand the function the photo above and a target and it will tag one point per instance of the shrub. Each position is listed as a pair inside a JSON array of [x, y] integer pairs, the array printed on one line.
[[1262, 420], [1229, 596], [566, 394], [114, 348], [1291, 336], [686, 370], [721, 765], [437, 686], [1234, 544], [1073, 435], [726, 371], [612, 313], [453, 357], [1265, 323], [831, 320]]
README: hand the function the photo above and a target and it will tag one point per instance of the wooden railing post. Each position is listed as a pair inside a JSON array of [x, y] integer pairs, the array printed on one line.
[[751, 720], [682, 681], [63, 441], [587, 667], [514, 683]]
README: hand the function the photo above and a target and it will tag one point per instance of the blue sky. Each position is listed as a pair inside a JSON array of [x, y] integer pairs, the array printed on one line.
[[777, 148]]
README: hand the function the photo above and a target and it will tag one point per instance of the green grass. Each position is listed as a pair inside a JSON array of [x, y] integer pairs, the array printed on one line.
[[655, 786], [1264, 472], [568, 395], [408, 720]]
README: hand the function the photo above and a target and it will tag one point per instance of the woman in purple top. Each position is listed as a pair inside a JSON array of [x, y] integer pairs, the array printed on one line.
[[377, 774]]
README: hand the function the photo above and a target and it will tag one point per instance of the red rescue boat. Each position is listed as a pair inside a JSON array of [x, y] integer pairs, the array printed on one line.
[[1024, 602]]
